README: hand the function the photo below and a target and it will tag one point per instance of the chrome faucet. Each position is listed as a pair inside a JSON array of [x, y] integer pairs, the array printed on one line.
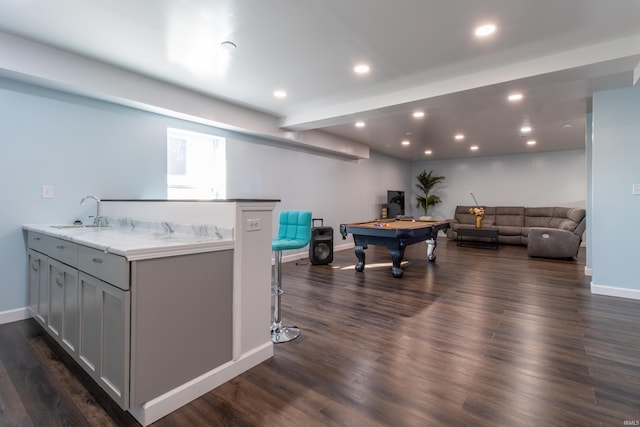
[[98, 221]]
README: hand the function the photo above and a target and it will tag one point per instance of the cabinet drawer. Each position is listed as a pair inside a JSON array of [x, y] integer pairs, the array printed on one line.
[[37, 241], [110, 268], [59, 249], [62, 250]]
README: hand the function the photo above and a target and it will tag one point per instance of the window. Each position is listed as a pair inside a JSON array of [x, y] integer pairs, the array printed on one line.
[[196, 165]]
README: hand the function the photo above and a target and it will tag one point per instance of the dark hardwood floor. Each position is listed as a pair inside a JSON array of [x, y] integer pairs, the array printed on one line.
[[481, 337]]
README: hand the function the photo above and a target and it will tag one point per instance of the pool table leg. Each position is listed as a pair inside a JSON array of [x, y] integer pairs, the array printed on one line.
[[361, 257], [396, 256], [431, 247]]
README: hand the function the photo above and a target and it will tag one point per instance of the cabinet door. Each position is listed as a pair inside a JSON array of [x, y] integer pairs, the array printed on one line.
[[104, 336], [38, 286], [63, 305], [90, 319]]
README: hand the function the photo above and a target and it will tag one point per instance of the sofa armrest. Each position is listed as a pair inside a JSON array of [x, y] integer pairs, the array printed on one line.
[[449, 231], [553, 243]]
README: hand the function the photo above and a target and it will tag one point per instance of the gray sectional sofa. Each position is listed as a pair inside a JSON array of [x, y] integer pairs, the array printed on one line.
[[553, 232]]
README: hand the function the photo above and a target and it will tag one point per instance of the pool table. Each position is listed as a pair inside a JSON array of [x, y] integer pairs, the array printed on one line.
[[395, 235]]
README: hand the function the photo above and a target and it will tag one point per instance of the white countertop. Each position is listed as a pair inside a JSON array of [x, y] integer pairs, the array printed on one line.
[[136, 244]]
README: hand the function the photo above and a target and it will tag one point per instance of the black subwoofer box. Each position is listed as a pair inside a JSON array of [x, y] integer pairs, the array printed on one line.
[[321, 244]]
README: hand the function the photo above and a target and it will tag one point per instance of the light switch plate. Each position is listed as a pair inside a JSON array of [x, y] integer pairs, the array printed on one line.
[[47, 191], [636, 189]]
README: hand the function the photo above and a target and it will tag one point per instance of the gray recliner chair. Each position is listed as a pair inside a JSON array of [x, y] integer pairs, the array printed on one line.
[[562, 242]]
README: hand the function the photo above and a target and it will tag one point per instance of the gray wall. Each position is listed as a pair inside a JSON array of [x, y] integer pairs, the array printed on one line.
[[337, 190], [541, 179], [82, 146], [615, 211]]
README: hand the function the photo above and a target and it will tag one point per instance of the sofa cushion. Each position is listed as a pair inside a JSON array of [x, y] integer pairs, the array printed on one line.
[[544, 211], [576, 214], [556, 221], [512, 216], [568, 225], [567, 218], [506, 230], [537, 217]]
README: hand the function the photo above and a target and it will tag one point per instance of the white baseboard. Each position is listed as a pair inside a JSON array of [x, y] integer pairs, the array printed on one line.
[[613, 291], [14, 315], [161, 406]]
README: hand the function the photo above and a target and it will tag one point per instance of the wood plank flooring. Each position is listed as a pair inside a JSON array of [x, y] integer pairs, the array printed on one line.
[[478, 338]]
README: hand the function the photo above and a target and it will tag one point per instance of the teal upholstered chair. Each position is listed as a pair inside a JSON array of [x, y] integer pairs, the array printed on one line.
[[294, 232]]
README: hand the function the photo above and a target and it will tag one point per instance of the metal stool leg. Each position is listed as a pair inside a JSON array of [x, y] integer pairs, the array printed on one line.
[[279, 332]]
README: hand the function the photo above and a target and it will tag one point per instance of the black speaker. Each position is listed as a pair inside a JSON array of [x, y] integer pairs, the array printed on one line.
[[321, 244]]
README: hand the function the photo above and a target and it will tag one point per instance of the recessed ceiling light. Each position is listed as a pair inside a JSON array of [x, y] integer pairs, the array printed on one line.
[[525, 129], [406, 142], [279, 93], [360, 124], [228, 45], [531, 142], [567, 126], [361, 69], [485, 30], [515, 97], [474, 148], [459, 137], [428, 152], [418, 114]]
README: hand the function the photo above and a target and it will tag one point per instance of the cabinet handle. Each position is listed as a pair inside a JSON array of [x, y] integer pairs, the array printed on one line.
[[36, 238], [60, 278], [60, 247], [35, 265], [97, 260]]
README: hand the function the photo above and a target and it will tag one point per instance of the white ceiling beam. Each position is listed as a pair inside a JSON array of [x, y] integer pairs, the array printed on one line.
[[345, 112]]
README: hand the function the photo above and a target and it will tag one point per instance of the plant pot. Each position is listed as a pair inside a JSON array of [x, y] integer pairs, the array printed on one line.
[[478, 221]]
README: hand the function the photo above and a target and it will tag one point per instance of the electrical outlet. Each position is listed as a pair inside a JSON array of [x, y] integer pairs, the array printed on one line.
[[636, 190], [253, 224], [47, 191]]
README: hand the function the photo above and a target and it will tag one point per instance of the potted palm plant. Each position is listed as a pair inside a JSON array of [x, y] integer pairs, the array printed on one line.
[[426, 182]]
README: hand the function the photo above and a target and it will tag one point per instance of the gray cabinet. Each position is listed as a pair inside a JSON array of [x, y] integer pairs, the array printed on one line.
[[181, 320], [63, 305], [38, 286], [139, 328], [89, 317], [104, 337]]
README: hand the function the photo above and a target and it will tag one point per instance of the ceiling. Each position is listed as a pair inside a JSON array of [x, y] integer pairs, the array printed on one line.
[[423, 56]]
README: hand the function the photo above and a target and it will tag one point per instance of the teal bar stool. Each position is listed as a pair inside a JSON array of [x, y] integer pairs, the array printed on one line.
[[294, 232]]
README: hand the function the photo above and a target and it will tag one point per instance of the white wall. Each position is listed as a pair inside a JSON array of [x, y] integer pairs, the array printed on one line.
[[541, 179], [83, 146], [615, 210]]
